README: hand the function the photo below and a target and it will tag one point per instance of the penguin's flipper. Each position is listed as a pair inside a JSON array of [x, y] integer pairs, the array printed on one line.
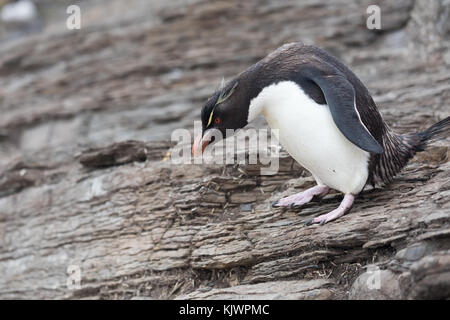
[[340, 96]]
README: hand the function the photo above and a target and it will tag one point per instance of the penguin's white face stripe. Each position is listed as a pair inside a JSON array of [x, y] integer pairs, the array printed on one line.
[[307, 131]]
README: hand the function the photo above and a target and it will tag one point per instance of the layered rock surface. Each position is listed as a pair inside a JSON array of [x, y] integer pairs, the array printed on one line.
[[86, 180]]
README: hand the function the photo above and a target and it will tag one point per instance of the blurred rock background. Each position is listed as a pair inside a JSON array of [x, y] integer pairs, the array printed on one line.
[[137, 226]]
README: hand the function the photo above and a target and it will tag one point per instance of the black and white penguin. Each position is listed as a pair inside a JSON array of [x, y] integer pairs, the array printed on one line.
[[326, 120]]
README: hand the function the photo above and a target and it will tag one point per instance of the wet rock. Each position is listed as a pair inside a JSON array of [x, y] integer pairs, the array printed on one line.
[[413, 253]]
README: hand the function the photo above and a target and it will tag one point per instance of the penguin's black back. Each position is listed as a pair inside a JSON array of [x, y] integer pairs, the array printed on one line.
[[288, 64]]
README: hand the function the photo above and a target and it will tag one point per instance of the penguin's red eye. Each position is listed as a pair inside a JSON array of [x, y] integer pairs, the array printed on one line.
[[217, 120]]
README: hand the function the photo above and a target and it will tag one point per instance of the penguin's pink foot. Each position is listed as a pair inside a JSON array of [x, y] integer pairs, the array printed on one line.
[[344, 207], [302, 197]]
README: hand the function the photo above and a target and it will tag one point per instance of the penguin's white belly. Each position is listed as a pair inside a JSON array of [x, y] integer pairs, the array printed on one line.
[[307, 131]]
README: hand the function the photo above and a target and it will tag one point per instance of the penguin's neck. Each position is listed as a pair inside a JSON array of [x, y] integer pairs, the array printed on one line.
[[264, 102]]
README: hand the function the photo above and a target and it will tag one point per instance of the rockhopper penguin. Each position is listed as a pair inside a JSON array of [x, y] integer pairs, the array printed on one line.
[[326, 120]]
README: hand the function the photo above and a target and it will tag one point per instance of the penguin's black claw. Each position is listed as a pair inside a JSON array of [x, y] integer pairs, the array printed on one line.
[[308, 222], [322, 222], [274, 204]]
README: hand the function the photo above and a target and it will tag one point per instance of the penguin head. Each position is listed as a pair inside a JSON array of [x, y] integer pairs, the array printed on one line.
[[224, 110]]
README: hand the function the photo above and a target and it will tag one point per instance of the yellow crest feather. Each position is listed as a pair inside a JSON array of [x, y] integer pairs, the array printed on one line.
[[210, 118], [222, 97]]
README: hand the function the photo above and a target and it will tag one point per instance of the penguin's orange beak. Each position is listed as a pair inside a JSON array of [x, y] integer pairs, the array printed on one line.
[[200, 143]]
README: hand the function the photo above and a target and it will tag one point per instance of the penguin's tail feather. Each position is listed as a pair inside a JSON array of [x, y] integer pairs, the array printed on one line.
[[439, 130], [399, 148]]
